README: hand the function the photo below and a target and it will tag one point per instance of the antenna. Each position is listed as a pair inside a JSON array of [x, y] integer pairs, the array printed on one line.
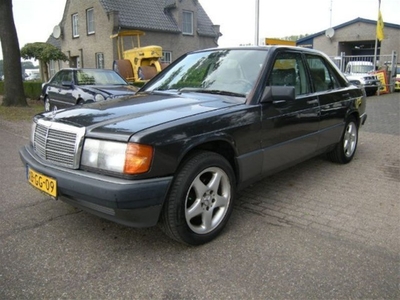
[[330, 32]]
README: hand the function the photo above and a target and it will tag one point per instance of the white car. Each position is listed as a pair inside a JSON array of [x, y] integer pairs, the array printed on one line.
[[363, 72]]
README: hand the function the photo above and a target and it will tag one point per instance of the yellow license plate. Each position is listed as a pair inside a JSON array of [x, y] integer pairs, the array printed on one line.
[[42, 182]]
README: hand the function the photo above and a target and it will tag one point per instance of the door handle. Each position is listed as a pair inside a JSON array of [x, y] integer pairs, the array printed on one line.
[[279, 101], [314, 101]]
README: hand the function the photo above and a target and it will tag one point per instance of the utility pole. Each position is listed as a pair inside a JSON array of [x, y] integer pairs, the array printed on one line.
[[257, 35]]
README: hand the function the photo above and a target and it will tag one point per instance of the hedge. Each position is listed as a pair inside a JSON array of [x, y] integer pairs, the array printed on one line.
[[32, 89]]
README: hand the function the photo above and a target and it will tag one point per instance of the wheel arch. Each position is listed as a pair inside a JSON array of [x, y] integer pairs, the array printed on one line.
[[222, 147], [78, 100], [354, 114]]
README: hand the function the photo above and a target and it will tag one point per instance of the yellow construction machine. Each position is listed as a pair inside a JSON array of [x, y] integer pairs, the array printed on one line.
[[136, 63]]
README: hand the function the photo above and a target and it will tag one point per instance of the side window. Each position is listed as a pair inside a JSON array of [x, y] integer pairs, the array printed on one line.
[[289, 70], [75, 32], [67, 76], [99, 60], [90, 21], [57, 79], [322, 74], [167, 57], [52, 67]]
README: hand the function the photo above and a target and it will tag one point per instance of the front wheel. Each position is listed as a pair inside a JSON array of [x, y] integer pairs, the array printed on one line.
[[346, 148], [200, 201]]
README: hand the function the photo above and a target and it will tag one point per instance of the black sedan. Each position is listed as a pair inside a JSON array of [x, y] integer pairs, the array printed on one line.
[[74, 86], [212, 123]]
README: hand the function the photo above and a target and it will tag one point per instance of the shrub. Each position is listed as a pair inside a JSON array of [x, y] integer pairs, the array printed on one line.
[[32, 89]]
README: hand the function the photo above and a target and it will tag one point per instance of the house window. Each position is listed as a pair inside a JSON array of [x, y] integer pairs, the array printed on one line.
[[99, 60], [75, 32], [52, 68], [187, 22], [90, 21], [167, 57]]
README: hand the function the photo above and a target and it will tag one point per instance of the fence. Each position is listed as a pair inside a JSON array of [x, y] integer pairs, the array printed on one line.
[[387, 63]]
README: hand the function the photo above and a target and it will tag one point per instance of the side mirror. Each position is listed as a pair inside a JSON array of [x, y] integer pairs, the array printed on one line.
[[278, 93]]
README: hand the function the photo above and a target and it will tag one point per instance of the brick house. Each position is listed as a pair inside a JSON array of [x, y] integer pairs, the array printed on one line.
[[178, 26]]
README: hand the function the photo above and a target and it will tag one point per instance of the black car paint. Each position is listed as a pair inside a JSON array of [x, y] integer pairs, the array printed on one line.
[[259, 135]]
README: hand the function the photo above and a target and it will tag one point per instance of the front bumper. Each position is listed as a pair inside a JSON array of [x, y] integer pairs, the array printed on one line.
[[371, 84], [135, 203]]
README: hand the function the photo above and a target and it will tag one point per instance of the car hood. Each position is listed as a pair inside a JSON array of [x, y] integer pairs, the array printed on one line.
[[126, 116], [115, 90]]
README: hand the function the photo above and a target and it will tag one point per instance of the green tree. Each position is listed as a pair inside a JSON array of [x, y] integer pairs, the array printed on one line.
[[44, 53], [28, 65], [295, 37], [13, 87]]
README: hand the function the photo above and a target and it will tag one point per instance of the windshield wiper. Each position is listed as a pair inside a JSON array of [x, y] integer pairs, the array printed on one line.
[[217, 92]]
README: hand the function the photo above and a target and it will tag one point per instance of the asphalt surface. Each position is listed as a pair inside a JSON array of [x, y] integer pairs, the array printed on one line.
[[316, 231]]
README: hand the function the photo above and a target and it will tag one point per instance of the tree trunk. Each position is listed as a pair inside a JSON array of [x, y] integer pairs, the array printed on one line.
[[13, 88]]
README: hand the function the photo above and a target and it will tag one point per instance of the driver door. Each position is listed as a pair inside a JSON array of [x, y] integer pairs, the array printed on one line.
[[289, 127]]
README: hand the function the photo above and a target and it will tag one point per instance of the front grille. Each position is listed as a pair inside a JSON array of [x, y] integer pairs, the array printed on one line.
[[58, 143]]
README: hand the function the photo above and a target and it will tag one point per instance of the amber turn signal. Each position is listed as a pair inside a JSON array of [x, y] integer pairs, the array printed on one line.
[[138, 158]]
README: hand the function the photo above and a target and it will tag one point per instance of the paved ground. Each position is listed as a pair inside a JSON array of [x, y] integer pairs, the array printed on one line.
[[318, 230]]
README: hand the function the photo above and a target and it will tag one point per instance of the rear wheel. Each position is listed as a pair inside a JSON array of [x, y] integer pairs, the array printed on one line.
[[346, 148], [200, 201]]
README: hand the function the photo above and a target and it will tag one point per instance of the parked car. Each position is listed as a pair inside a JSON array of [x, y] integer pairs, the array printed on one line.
[[363, 72], [32, 75], [213, 122], [73, 86]]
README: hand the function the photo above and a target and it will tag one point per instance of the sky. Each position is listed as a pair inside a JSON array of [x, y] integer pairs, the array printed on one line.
[[35, 19]]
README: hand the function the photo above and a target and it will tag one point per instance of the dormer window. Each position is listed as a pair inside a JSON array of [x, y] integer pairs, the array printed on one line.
[[187, 22]]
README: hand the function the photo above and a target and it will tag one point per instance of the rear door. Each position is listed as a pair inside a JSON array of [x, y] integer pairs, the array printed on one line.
[[334, 97], [289, 128]]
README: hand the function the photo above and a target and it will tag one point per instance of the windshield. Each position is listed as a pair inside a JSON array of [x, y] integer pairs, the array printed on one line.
[[98, 77], [362, 68], [215, 71]]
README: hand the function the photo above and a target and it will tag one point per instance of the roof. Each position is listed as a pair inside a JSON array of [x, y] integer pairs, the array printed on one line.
[[357, 20], [155, 15], [53, 41]]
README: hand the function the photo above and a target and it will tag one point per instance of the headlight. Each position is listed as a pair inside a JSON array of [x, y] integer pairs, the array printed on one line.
[[126, 158], [99, 97], [33, 130]]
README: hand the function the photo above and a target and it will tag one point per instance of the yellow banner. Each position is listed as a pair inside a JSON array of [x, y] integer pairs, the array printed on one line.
[[379, 27]]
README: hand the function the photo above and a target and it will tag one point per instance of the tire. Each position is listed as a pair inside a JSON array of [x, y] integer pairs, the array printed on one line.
[[200, 200], [346, 148]]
